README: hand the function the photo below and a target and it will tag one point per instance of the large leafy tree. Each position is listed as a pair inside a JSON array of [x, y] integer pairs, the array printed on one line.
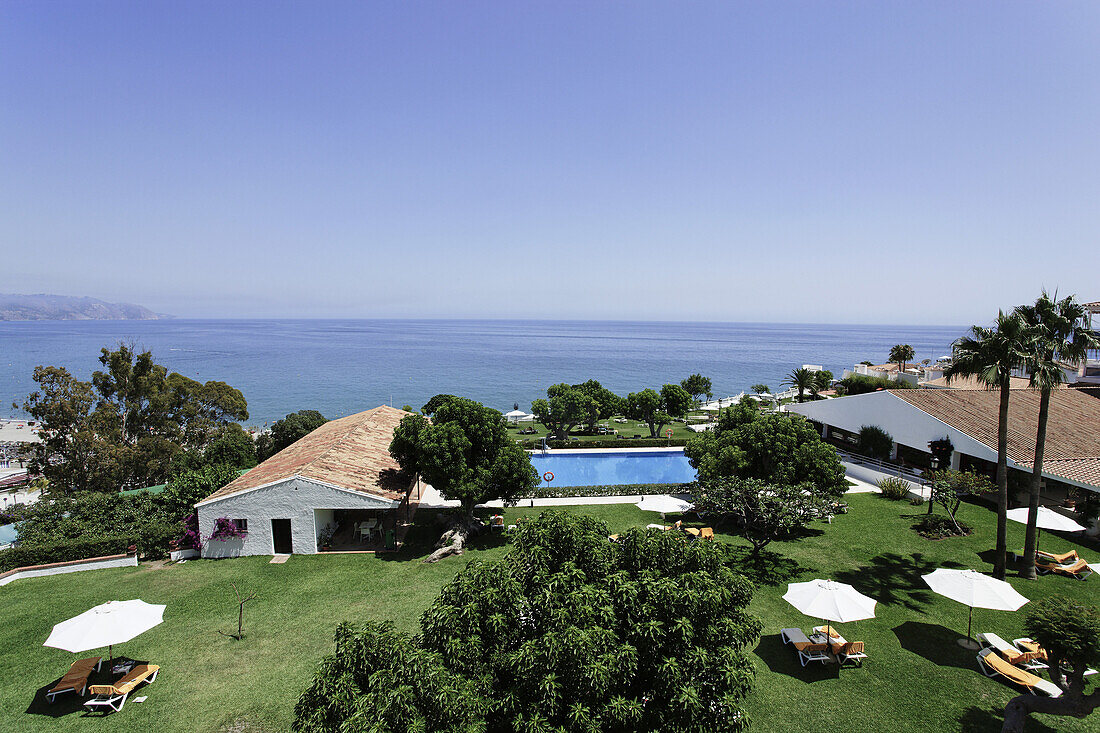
[[1070, 633], [780, 448], [288, 431], [991, 355], [697, 386], [1055, 332], [569, 405], [466, 453], [568, 632], [123, 428], [801, 379], [901, 355], [763, 511], [822, 379], [657, 409]]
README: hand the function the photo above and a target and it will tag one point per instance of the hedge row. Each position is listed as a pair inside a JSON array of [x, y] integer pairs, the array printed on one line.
[[626, 443], [557, 492], [79, 549]]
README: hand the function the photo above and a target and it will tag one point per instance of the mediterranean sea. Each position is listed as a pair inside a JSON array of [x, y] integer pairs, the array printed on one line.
[[343, 366]]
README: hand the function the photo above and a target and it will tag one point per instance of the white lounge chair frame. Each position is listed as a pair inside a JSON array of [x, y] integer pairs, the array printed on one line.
[[51, 696], [109, 701], [797, 636], [1045, 686], [995, 641]]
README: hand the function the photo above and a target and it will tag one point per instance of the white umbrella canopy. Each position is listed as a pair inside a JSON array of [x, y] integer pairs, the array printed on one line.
[[1046, 519], [105, 625], [830, 600], [975, 590], [663, 504]]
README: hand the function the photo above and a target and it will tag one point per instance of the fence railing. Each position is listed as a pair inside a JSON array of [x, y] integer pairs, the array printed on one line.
[[885, 467]]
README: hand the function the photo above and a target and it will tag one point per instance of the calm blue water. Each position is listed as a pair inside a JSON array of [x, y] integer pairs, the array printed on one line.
[[8, 534], [613, 469], [343, 366]]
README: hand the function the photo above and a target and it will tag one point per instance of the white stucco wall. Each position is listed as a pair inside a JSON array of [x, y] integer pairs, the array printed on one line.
[[295, 499], [908, 425], [61, 569]]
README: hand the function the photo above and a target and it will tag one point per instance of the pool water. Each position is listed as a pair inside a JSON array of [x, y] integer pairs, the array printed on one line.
[[614, 469]]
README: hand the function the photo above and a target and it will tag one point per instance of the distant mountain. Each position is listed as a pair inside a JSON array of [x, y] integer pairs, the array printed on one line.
[[69, 308]]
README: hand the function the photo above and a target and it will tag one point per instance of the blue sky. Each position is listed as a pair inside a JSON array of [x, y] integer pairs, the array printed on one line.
[[775, 161]]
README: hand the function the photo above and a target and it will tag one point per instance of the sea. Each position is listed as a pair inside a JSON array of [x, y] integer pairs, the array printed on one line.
[[340, 367]]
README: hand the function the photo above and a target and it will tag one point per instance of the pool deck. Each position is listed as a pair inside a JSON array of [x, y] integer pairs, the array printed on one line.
[[588, 451]]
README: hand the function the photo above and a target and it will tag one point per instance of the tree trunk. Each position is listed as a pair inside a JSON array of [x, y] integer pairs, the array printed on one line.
[[1031, 537], [1019, 707], [453, 541], [1000, 554]]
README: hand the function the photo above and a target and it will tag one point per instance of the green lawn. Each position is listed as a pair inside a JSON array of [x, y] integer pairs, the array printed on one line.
[[917, 677]]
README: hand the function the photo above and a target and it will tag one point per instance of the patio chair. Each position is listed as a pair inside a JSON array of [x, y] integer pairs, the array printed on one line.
[[114, 696], [76, 679], [1063, 558], [706, 533], [991, 665], [1012, 654], [496, 522], [807, 650]]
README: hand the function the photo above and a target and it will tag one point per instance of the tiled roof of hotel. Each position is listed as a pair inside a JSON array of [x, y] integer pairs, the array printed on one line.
[[972, 383], [351, 452], [1073, 426]]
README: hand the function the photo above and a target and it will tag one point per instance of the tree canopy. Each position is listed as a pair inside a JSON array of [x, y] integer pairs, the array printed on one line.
[[123, 428], [801, 379], [657, 409], [780, 448], [901, 355], [697, 386], [1069, 632], [568, 632], [763, 511], [569, 405], [465, 452]]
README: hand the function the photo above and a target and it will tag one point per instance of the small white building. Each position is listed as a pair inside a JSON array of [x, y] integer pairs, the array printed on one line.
[[320, 486]]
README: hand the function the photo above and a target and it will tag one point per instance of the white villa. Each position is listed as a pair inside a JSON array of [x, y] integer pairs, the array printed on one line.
[[333, 481]]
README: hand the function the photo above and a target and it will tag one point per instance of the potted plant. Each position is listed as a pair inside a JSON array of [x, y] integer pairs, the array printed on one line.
[[1071, 497], [325, 538]]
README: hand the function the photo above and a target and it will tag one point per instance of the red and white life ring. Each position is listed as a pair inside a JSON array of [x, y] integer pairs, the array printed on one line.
[[548, 476]]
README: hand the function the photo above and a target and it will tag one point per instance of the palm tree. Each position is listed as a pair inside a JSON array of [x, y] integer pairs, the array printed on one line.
[[800, 379], [1056, 331], [901, 355], [990, 355]]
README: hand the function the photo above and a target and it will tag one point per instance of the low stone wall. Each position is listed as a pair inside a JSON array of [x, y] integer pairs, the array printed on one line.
[[72, 566]]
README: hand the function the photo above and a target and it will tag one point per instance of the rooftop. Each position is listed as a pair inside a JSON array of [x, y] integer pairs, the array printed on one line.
[[1073, 429], [351, 452]]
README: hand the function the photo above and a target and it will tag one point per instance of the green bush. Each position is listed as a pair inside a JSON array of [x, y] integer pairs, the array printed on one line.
[[553, 492], [937, 527], [859, 384], [894, 488], [63, 551], [875, 442]]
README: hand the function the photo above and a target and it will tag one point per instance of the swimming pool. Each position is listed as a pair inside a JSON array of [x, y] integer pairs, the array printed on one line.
[[600, 468]]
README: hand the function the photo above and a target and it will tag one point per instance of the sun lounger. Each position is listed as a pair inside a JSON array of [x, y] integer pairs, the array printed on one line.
[[1012, 654], [807, 651], [706, 533], [76, 679], [1063, 558], [114, 696], [658, 526], [1079, 570], [1030, 645], [992, 665], [849, 651]]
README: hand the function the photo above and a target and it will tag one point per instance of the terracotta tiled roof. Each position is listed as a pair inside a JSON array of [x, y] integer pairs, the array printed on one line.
[[1073, 426], [352, 453], [1081, 470]]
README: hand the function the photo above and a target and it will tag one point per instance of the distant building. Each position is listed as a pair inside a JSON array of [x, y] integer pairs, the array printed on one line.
[[339, 476], [968, 417]]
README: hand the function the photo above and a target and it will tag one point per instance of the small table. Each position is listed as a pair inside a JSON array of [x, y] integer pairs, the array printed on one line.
[[122, 668]]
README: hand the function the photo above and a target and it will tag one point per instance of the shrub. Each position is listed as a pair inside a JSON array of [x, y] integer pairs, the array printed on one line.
[[63, 551], [859, 384], [916, 501], [894, 488], [225, 529], [937, 527], [875, 442]]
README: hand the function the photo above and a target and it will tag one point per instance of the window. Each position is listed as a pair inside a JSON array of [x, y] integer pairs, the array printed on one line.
[[242, 524]]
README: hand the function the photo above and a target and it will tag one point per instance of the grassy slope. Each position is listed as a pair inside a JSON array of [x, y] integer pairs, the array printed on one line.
[[917, 678]]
